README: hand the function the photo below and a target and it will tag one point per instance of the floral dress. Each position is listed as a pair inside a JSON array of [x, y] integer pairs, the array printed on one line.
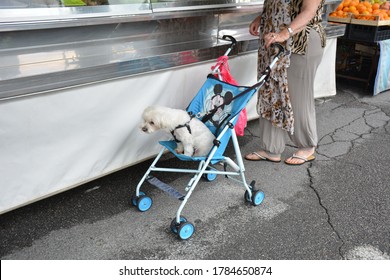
[[273, 99]]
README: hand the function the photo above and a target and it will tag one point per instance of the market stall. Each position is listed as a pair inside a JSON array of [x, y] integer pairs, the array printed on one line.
[[75, 79], [363, 53]]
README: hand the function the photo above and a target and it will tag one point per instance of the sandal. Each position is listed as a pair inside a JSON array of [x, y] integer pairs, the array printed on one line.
[[305, 159], [259, 158]]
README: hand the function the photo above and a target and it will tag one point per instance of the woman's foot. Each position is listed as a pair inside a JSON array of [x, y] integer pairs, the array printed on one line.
[[301, 156], [261, 156]]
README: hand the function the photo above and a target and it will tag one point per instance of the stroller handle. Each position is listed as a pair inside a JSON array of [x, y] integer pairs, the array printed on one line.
[[232, 45], [280, 49], [231, 39]]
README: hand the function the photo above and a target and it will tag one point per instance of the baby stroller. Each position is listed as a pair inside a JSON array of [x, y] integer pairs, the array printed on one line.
[[218, 105]]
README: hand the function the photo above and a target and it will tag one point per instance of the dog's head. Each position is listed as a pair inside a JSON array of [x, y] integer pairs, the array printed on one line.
[[152, 120]]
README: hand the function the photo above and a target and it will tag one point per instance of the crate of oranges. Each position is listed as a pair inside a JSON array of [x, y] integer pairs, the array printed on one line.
[[374, 12], [367, 21]]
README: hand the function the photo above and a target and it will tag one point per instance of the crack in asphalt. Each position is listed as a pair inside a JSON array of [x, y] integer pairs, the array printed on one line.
[[354, 143], [329, 220]]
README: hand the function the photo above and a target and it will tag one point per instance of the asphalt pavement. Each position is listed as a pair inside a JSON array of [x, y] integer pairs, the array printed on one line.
[[334, 208]]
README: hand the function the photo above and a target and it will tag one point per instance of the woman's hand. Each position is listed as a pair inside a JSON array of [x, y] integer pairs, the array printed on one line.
[[254, 26], [272, 37]]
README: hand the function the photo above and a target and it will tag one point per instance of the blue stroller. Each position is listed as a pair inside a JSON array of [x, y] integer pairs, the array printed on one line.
[[218, 105]]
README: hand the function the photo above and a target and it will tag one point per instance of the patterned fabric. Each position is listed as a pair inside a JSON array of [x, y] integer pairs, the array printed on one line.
[[300, 39], [273, 98]]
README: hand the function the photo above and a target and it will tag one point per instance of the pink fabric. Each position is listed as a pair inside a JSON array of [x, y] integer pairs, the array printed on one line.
[[224, 75]]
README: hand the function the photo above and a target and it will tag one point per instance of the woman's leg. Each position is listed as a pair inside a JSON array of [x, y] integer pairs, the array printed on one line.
[[272, 139], [272, 142], [301, 74]]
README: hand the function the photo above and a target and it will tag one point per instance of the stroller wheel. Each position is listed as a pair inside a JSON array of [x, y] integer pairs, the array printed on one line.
[[134, 198], [257, 197], [174, 226], [185, 230], [210, 176], [144, 203]]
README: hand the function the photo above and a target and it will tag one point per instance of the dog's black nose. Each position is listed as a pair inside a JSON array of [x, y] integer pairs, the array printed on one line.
[[144, 129]]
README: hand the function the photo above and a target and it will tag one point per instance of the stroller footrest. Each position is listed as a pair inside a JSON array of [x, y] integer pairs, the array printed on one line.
[[165, 187]]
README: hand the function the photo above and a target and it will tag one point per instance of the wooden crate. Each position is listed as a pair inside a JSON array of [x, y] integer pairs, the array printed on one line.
[[339, 19], [375, 22]]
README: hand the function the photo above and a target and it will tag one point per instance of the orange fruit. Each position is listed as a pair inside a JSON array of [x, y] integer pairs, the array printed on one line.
[[346, 3], [366, 4], [361, 8], [353, 3], [383, 15], [375, 6]]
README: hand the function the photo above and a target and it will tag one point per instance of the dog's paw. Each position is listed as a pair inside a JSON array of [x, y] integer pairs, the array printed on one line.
[[179, 148], [189, 151]]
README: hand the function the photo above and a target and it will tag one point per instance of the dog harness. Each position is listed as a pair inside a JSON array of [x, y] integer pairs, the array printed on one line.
[[187, 125]]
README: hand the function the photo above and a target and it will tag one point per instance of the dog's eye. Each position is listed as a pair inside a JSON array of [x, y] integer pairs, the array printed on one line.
[[152, 123]]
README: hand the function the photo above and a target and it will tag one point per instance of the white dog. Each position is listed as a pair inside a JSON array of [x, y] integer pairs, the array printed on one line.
[[192, 136]]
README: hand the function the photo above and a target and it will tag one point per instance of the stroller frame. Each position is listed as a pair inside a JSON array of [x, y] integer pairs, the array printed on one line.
[[206, 170]]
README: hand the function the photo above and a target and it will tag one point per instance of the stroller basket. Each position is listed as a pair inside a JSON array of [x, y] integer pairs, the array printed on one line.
[[218, 105]]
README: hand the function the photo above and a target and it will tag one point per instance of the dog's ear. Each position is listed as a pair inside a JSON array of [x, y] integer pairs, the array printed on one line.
[[160, 121], [154, 122], [156, 119]]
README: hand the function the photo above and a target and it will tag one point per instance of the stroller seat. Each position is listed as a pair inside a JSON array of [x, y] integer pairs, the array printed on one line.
[[216, 104]]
